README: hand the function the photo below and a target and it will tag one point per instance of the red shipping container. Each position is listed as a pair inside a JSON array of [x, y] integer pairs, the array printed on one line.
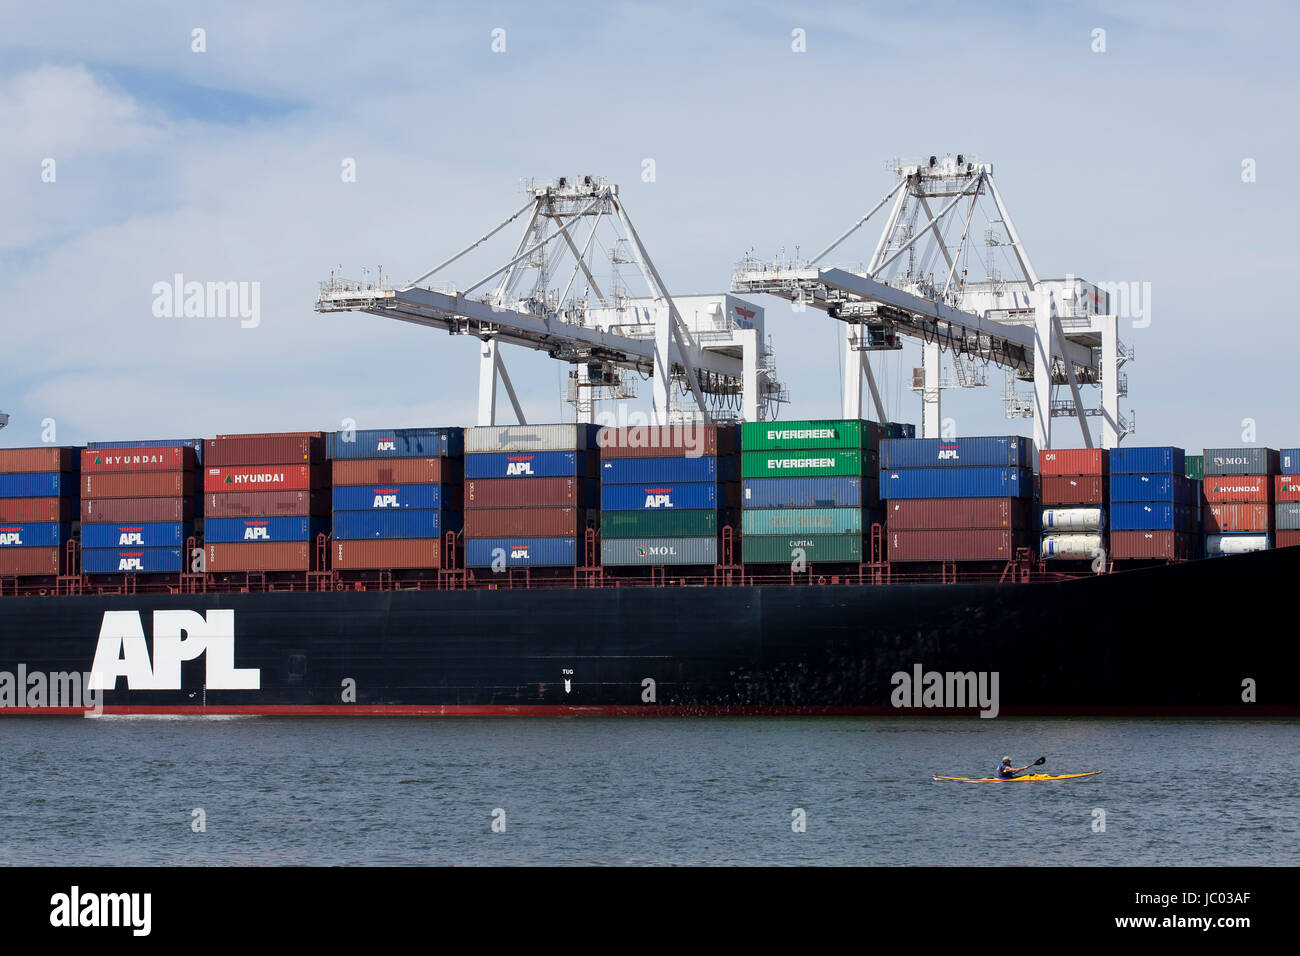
[[30, 562], [47, 458], [175, 458], [265, 478], [386, 554], [38, 509], [265, 504], [962, 513], [1073, 490], [525, 522], [1234, 488], [525, 492], [1287, 539], [1288, 487], [264, 450], [398, 471], [104, 510], [1237, 517], [1159, 545], [1074, 461], [260, 556], [156, 484], [274, 435], [954, 545], [667, 441]]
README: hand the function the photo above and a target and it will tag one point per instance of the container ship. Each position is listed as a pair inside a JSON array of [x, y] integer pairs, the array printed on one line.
[[817, 567]]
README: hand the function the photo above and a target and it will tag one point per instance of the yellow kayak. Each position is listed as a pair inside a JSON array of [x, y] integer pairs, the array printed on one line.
[[1027, 778]]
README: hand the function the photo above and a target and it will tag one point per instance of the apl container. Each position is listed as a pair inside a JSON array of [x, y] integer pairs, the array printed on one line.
[[807, 464], [788, 521], [399, 471], [392, 497], [368, 525], [47, 458], [810, 492], [34, 534], [403, 554], [145, 534], [132, 560], [661, 524], [807, 549], [669, 497], [531, 464], [1010, 451], [107, 510], [1217, 544], [632, 471], [670, 441], [841, 433], [498, 438], [1240, 461], [956, 483], [38, 485], [1161, 460], [521, 552], [653, 552], [1071, 547], [396, 443], [1073, 519], [280, 528]]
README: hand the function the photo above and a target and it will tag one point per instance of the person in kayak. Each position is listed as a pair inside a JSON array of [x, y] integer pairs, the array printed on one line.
[[1005, 771]]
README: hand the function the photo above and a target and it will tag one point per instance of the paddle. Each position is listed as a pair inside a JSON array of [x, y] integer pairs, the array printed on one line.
[[1036, 763]]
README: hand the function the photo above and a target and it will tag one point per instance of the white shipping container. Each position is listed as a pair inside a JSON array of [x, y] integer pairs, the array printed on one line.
[[487, 438], [1073, 519], [1071, 547], [1235, 543]]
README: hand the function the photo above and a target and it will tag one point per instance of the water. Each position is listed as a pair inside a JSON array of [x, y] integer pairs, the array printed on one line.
[[122, 790]]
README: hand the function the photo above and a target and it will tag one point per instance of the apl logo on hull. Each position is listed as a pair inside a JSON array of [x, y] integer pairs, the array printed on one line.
[[658, 498], [522, 465], [177, 636]]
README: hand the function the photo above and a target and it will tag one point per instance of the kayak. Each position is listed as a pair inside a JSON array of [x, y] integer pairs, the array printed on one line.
[[1027, 778]]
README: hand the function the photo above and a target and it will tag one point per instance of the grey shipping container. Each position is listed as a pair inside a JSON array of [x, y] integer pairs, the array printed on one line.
[[486, 438], [1241, 461], [653, 552], [1287, 515]]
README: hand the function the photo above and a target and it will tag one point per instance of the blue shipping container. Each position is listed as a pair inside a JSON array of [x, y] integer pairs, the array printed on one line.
[[521, 552], [631, 471], [368, 525], [279, 528], [39, 484], [35, 534], [126, 534], [1290, 461], [388, 497], [1161, 460], [802, 493], [397, 443], [134, 560], [900, 430], [1009, 451], [195, 443], [1152, 516], [1173, 488], [526, 464], [661, 497], [956, 483]]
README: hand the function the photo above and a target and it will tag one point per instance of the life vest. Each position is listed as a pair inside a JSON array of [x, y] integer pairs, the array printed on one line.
[[1003, 771]]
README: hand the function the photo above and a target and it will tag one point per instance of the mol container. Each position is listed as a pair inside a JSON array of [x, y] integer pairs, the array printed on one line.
[[1240, 461], [654, 552]]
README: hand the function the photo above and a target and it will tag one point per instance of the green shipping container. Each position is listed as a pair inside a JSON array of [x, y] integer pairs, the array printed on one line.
[[658, 524], [1194, 467], [816, 548], [817, 433], [787, 521], [808, 464]]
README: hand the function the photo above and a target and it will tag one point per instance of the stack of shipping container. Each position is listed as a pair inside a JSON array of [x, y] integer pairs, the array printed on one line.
[[38, 503], [1286, 497], [1154, 506], [288, 474], [1073, 492], [530, 495], [396, 494], [958, 500], [811, 489], [1238, 511], [138, 506], [666, 493]]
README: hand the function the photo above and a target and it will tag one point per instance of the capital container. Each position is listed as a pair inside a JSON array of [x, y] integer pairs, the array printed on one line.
[[1153, 487], [654, 552], [669, 496], [807, 464], [667, 441], [265, 504], [531, 464], [1073, 461], [394, 497], [367, 525], [387, 554], [47, 458], [31, 562], [33, 534], [38, 485], [956, 483], [931, 514], [264, 478], [259, 556], [1152, 545], [854, 492], [396, 443], [1009, 451], [631, 471], [143, 534], [956, 545], [1152, 516], [132, 560], [532, 493], [38, 509], [499, 438], [1257, 488], [843, 433], [810, 549], [1241, 461], [168, 458], [160, 484], [1223, 516], [663, 524], [195, 443], [1289, 461], [398, 471], [279, 528], [1286, 516], [1073, 490], [1217, 544], [264, 450], [521, 552], [1151, 460], [102, 510], [526, 522], [788, 521]]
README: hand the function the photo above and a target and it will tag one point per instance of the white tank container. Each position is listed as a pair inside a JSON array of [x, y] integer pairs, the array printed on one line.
[[1073, 519], [1235, 543], [1071, 547]]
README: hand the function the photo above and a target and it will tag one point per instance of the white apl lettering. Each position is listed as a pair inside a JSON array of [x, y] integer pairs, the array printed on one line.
[[177, 636], [658, 501], [519, 468], [386, 501]]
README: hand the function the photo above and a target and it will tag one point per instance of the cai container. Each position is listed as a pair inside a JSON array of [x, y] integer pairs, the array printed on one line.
[[1152, 545], [795, 521], [502, 438], [143, 534], [632, 471], [669, 496], [265, 504], [531, 493], [132, 560], [395, 497], [259, 556], [531, 464], [667, 441], [31, 562], [1003, 451], [810, 549], [38, 509], [33, 534], [1256, 488], [370, 525], [103, 510], [161, 484], [661, 524], [956, 545], [936, 514], [394, 554], [396, 443], [1073, 490], [1240, 461], [46, 458], [263, 478], [38, 485], [654, 552], [228, 450], [843, 433], [166, 458], [1073, 461], [898, 483], [525, 522], [852, 492], [398, 471], [279, 528], [521, 552], [1224, 516], [808, 464], [1154, 460]]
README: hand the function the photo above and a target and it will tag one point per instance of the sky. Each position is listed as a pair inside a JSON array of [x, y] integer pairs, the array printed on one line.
[[225, 165]]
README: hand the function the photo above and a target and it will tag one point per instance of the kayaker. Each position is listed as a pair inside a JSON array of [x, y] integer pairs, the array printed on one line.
[[1005, 771]]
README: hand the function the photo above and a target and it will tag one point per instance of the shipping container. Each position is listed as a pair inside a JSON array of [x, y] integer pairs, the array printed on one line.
[[1073, 490], [1155, 487], [526, 522], [788, 521], [160, 484], [279, 528], [265, 504], [1240, 461], [693, 496], [398, 471], [537, 493], [811, 493], [1071, 547], [1289, 461], [104, 510], [1222, 516], [1286, 517], [539, 464], [808, 549], [1152, 516], [668, 441], [656, 552], [842, 433], [1194, 466], [1072, 520], [631, 471], [38, 509], [390, 554], [31, 562], [133, 560], [396, 497], [368, 525], [396, 443], [195, 443], [173, 458], [663, 524], [264, 478], [1162, 460], [47, 458], [227, 450], [1287, 488], [522, 552], [900, 430], [956, 483], [1074, 461], [499, 438], [937, 514], [38, 485], [1152, 545], [957, 545], [34, 534], [1238, 488], [259, 556], [1217, 544], [1286, 539], [808, 464], [144, 534], [1002, 451]]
